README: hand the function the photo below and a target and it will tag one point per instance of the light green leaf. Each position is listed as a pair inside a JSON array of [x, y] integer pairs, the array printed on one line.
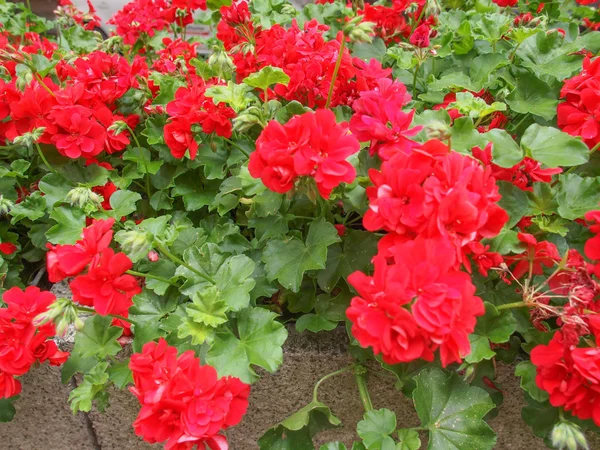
[[494, 326], [409, 439], [267, 77], [98, 338], [259, 344], [70, 223], [32, 207], [554, 148], [123, 203], [505, 151], [92, 388], [527, 371], [375, 429]]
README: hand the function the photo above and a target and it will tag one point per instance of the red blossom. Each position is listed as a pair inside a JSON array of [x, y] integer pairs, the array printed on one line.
[[183, 402], [7, 248], [536, 256]]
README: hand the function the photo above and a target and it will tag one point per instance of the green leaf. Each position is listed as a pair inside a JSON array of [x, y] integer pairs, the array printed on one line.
[[98, 338], [453, 411], [92, 388], [296, 432], [7, 409], [375, 429], [532, 95], [514, 201], [314, 323], [526, 370], [576, 195], [55, 188], [143, 158], [69, 226], [367, 51], [235, 95], [494, 326], [120, 374], [554, 148], [154, 130], [123, 203], [542, 200], [483, 66], [259, 343], [80, 40], [465, 136], [76, 364], [207, 308], [147, 312], [505, 151], [506, 242], [32, 208], [266, 77], [358, 249], [541, 417], [409, 440], [288, 259]]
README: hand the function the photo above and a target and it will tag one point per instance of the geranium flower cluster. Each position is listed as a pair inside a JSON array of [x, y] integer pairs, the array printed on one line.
[[106, 286], [569, 373], [190, 107], [312, 144], [302, 53], [77, 117], [183, 402], [143, 18], [579, 114], [436, 205], [89, 20], [22, 343], [379, 119]]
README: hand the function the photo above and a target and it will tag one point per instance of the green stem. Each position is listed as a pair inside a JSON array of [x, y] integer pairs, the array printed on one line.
[[338, 63], [153, 277], [326, 377], [511, 305], [42, 84], [360, 375], [246, 154], [147, 177], [165, 251], [83, 309], [415, 81], [37, 146]]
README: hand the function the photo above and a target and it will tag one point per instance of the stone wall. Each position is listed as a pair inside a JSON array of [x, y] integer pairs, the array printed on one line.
[[44, 421]]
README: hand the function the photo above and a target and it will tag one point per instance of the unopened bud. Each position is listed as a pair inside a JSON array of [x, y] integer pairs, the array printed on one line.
[[247, 119], [62, 312], [134, 241], [568, 436], [30, 138], [118, 127], [432, 8], [362, 32], [221, 64], [113, 44], [289, 10], [438, 130], [83, 198], [5, 205], [153, 256], [24, 79]]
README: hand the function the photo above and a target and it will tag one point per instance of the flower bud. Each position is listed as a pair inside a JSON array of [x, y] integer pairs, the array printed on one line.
[[247, 119], [24, 79], [118, 127], [221, 64], [30, 138], [362, 32], [83, 197], [153, 256], [438, 130], [568, 436], [289, 10], [134, 241], [5, 205], [62, 312], [432, 8]]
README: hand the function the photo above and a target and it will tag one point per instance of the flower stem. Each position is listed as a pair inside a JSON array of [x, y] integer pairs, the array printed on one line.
[[44, 158], [360, 375], [84, 309], [165, 251], [246, 154], [147, 177], [415, 81], [512, 305], [153, 277], [326, 377], [336, 69]]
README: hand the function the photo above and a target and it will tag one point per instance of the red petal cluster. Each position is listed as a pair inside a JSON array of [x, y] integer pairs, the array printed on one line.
[[579, 114], [311, 144], [146, 17], [434, 192], [571, 374], [379, 119], [416, 305], [183, 402], [105, 286], [21, 342], [191, 107]]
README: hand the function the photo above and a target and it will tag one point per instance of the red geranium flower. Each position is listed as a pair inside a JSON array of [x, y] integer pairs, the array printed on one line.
[[538, 255]]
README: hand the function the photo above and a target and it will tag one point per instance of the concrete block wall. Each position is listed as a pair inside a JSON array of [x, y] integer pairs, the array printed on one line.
[[45, 422]]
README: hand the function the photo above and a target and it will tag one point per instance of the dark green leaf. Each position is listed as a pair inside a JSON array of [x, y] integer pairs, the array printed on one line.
[[69, 226], [576, 195], [98, 338]]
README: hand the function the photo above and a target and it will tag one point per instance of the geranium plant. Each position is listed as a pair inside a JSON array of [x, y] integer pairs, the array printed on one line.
[[423, 174]]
